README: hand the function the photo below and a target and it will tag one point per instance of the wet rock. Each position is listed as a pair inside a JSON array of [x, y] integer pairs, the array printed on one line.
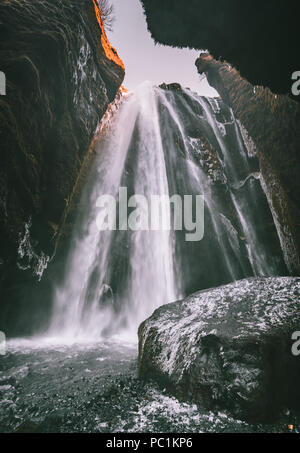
[[272, 123], [6, 388], [171, 86], [15, 375], [7, 408], [228, 348], [26, 427]]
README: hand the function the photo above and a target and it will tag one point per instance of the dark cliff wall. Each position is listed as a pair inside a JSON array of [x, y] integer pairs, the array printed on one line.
[[273, 122], [61, 74], [260, 38]]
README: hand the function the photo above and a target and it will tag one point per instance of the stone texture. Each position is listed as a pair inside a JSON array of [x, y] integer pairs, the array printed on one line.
[[228, 348], [273, 123]]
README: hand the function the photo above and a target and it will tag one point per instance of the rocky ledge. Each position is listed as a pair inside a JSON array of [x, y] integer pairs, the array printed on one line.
[[228, 348]]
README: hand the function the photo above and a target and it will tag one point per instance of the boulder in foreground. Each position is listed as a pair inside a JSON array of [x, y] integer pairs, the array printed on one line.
[[228, 348]]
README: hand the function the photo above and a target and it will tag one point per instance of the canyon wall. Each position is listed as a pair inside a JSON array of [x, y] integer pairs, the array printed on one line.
[[61, 74], [272, 121], [259, 38]]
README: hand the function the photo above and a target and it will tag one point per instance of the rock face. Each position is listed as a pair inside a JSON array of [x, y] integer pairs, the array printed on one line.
[[228, 348], [260, 39], [273, 123], [61, 74]]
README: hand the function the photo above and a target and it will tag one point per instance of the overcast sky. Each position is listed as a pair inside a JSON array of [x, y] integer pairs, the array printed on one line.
[[146, 61]]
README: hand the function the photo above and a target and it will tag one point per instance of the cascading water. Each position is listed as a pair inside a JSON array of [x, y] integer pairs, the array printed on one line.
[[88, 304], [164, 142]]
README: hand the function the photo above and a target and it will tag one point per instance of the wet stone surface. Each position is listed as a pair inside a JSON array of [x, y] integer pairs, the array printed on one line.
[[228, 348], [94, 388]]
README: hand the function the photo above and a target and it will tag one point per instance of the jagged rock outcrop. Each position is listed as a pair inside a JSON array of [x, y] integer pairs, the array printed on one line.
[[228, 348], [61, 74], [272, 121], [259, 38]]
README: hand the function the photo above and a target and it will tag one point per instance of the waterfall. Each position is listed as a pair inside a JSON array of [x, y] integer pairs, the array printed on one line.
[[163, 142], [87, 303]]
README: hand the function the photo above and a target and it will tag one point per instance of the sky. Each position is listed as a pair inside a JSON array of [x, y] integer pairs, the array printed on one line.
[[145, 60]]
